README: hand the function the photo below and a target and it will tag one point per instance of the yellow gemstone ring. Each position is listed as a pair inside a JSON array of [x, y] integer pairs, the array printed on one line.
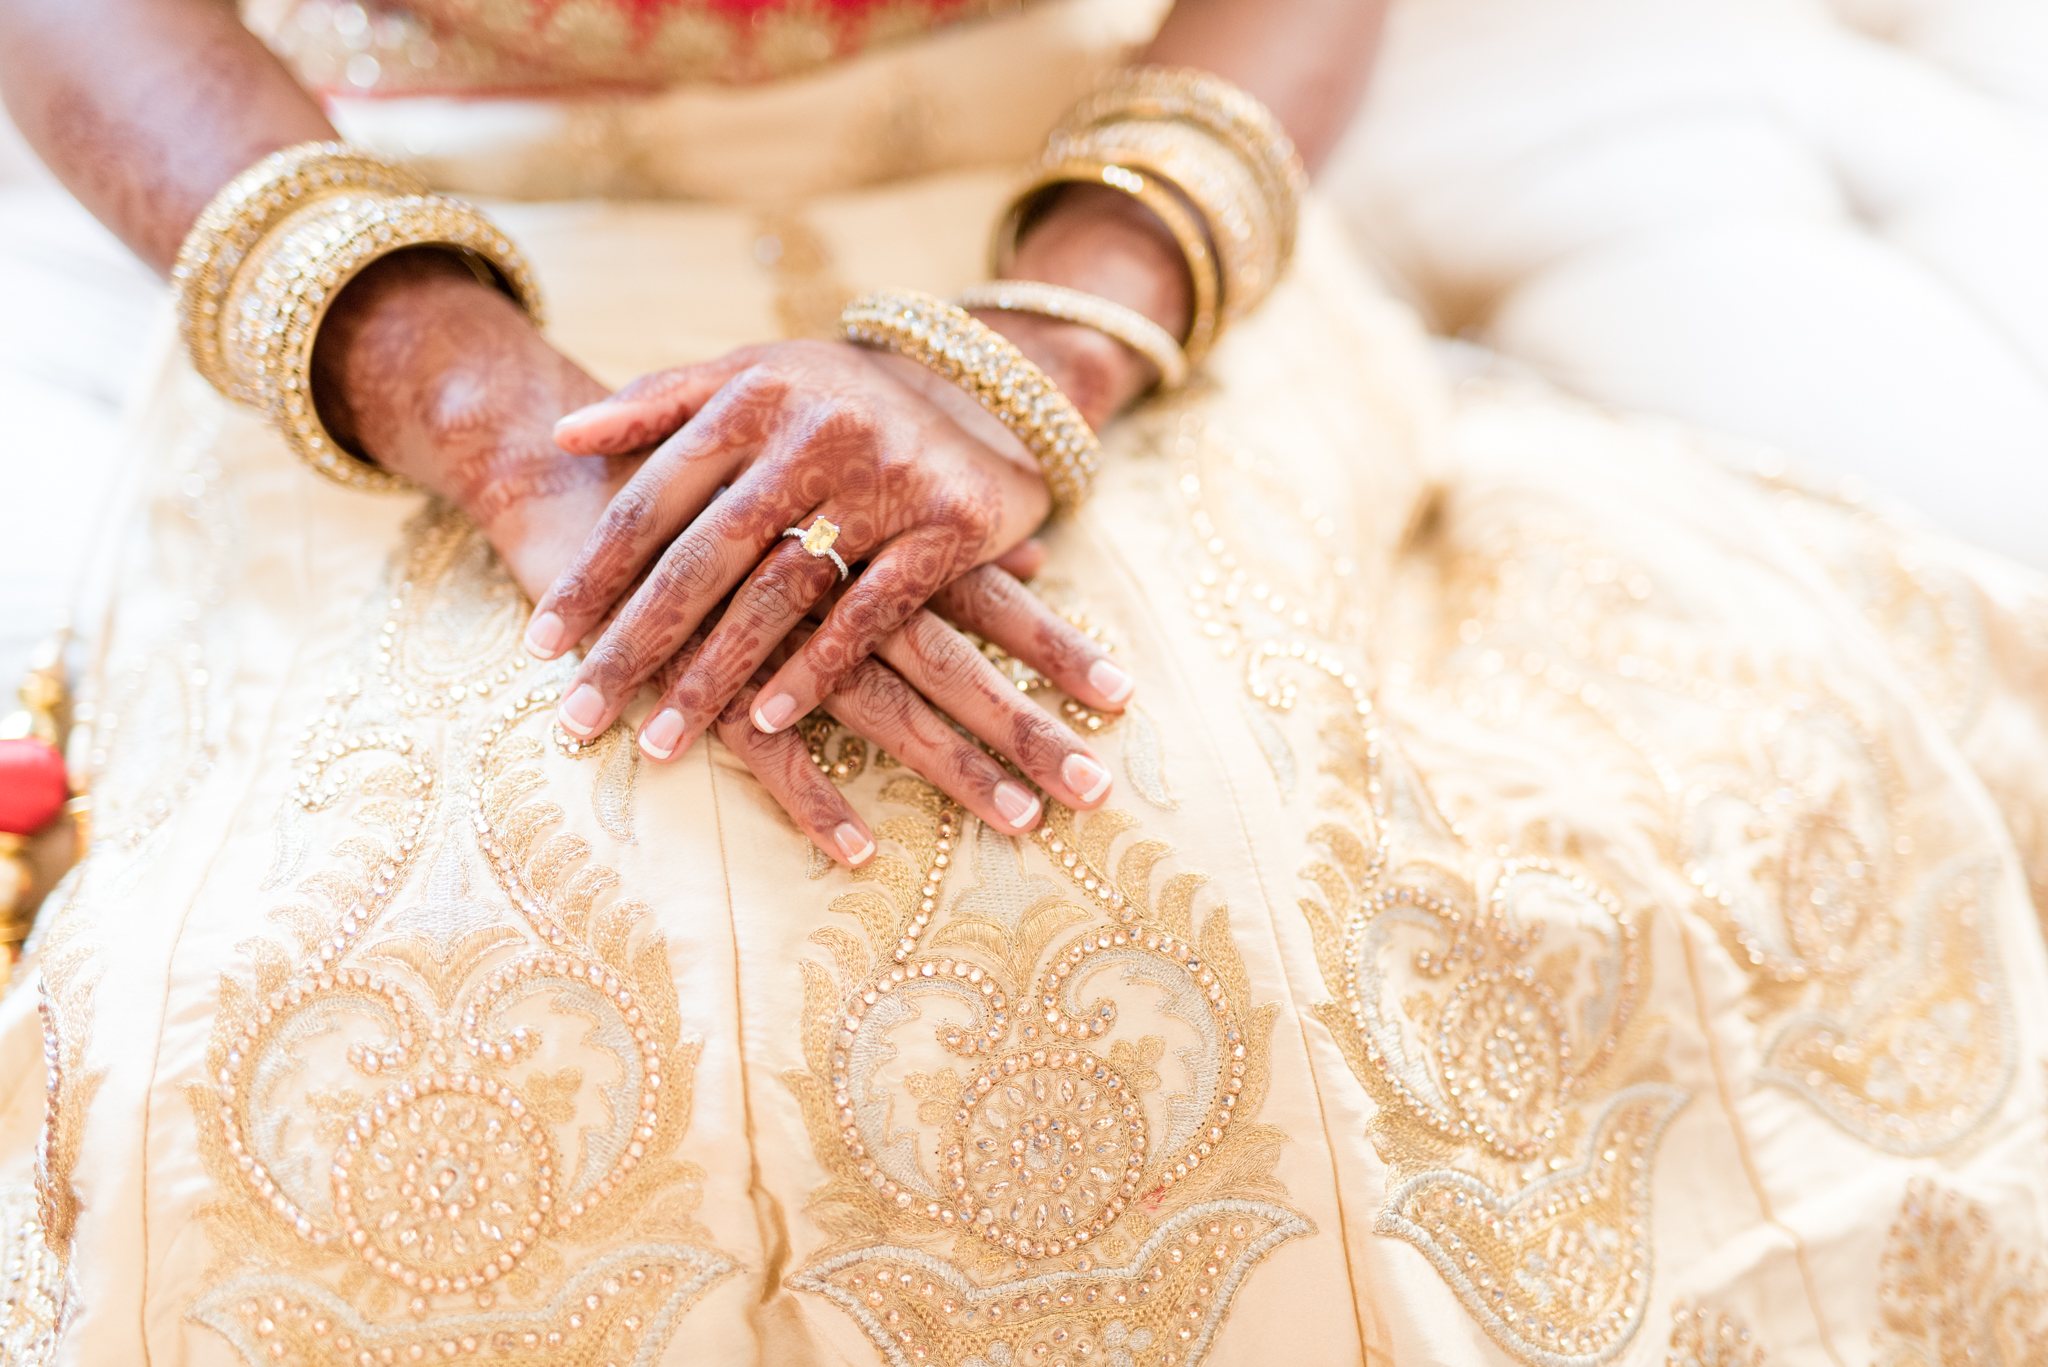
[[818, 541]]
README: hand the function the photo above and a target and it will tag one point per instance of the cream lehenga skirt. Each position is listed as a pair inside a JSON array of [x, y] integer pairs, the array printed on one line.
[[1569, 896]]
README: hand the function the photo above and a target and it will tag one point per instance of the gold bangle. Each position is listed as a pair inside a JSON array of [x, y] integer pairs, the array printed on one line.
[[237, 218], [1193, 240], [953, 343], [1223, 188], [1106, 316], [278, 302], [1208, 101]]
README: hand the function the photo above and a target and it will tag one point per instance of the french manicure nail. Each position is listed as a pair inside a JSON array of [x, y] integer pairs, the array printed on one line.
[[1017, 803], [1085, 775], [774, 714], [1111, 682], [658, 738], [580, 710], [581, 415], [855, 846], [544, 636]]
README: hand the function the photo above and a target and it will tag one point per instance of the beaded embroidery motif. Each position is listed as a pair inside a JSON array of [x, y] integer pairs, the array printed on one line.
[[1488, 1004], [1954, 1292], [489, 1067], [1071, 1208], [1857, 902]]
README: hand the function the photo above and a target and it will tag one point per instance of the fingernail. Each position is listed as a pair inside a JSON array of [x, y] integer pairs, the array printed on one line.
[[1111, 682], [1085, 775], [1017, 803], [583, 414], [776, 713], [658, 738], [855, 846], [580, 710], [544, 636]]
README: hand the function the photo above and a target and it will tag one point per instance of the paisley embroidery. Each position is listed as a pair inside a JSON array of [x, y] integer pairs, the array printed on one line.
[[1954, 1293], [1046, 1203], [1488, 1004], [1861, 912], [444, 1117]]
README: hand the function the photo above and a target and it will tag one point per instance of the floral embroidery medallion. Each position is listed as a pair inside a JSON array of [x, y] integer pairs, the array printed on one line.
[[1052, 1198], [1489, 1004], [444, 1114]]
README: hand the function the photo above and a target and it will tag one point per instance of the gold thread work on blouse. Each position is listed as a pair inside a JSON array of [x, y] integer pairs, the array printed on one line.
[[269, 255], [953, 343]]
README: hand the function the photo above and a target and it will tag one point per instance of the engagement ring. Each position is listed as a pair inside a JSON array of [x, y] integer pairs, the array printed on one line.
[[818, 542]]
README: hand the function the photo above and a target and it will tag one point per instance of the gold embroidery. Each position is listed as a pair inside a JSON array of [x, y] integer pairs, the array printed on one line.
[[1488, 1004], [1861, 914], [1709, 1338], [1953, 1294], [467, 46], [1068, 1210], [33, 1286], [490, 1071]]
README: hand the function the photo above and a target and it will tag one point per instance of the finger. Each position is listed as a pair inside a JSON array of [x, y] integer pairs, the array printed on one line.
[[875, 701], [894, 585], [995, 607], [669, 490], [693, 575], [647, 410], [1023, 560], [783, 764], [778, 595], [946, 669]]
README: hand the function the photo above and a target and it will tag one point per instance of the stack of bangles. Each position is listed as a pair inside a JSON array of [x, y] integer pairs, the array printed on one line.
[[258, 271], [1211, 163]]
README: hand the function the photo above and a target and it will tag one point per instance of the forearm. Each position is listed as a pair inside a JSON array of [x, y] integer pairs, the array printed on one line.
[[145, 108]]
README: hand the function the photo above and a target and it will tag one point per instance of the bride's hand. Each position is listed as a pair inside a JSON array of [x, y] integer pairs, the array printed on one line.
[[446, 382], [921, 483]]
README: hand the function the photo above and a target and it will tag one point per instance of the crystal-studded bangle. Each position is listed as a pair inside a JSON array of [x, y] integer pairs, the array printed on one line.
[[953, 343], [1106, 316], [239, 217], [1188, 233], [1216, 106], [274, 310], [1224, 190]]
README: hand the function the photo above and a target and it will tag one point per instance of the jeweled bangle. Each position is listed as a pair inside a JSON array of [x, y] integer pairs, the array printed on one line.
[[1187, 232], [274, 311], [953, 343], [1106, 316], [1223, 189], [247, 208], [1214, 104]]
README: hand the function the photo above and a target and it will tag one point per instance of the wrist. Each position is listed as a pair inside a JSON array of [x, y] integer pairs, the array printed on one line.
[[1093, 239], [433, 375]]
